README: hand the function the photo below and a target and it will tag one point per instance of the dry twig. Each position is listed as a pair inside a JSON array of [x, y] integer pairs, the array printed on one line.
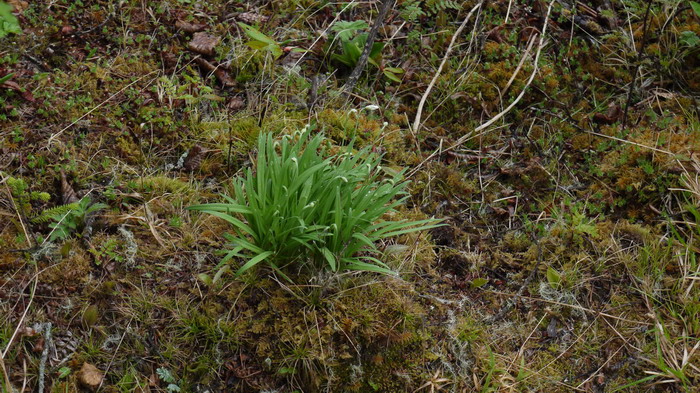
[[419, 112], [494, 119], [362, 62]]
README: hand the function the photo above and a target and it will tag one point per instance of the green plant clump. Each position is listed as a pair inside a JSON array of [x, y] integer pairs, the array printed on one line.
[[301, 207], [70, 218]]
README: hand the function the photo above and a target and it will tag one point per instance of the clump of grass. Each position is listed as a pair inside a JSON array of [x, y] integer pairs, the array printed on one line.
[[305, 208]]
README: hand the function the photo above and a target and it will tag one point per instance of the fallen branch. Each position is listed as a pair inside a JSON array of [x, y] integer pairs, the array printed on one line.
[[362, 62], [44, 355]]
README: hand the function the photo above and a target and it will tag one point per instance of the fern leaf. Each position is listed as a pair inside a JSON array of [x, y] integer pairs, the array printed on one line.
[[57, 211]]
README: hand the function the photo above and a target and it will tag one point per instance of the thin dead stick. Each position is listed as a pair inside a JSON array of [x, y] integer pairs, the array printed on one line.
[[610, 358], [6, 378], [538, 372], [419, 112], [510, 3], [638, 59], [467, 137], [54, 136], [24, 315], [362, 62], [632, 143], [529, 81], [128, 325], [520, 65], [440, 150], [578, 128], [574, 306], [323, 33], [509, 304]]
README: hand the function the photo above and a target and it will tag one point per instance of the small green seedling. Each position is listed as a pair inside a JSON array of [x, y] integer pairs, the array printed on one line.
[[260, 41]]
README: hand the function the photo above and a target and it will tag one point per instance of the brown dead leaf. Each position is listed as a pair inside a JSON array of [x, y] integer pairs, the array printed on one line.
[[28, 332], [188, 27], [169, 60], [67, 30], [235, 104], [68, 194], [194, 158], [495, 34], [39, 345], [203, 43], [18, 5], [613, 114], [218, 71], [90, 377], [588, 24], [12, 85]]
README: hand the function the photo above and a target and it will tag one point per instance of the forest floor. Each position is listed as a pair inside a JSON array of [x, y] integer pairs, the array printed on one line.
[[564, 162]]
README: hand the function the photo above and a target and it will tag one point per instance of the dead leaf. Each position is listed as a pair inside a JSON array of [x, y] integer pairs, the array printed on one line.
[[12, 85], [203, 43], [495, 34], [219, 72], [169, 61], [28, 332], [235, 104], [614, 113], [589, 25], [39, 345], [18, 5], [68, 194], [188, 27], [90, 377], [194, 158], [67, 30]]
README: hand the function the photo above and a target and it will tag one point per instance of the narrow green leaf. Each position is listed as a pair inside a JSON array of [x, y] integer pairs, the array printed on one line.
[[330, 258], [255, 34], [6, 78], [254, 261]]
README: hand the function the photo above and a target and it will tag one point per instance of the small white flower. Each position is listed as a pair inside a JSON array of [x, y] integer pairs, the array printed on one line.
[[371, 107]]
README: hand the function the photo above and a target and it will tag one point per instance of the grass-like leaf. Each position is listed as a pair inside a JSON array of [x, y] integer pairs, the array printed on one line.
[[302, 206]]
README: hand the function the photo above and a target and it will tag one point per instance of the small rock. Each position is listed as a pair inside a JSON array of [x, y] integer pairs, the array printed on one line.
[[203, 43], [90, 377]]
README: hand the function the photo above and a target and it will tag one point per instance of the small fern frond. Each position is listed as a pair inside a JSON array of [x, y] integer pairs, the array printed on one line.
[[436, 6], [57, 211]]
